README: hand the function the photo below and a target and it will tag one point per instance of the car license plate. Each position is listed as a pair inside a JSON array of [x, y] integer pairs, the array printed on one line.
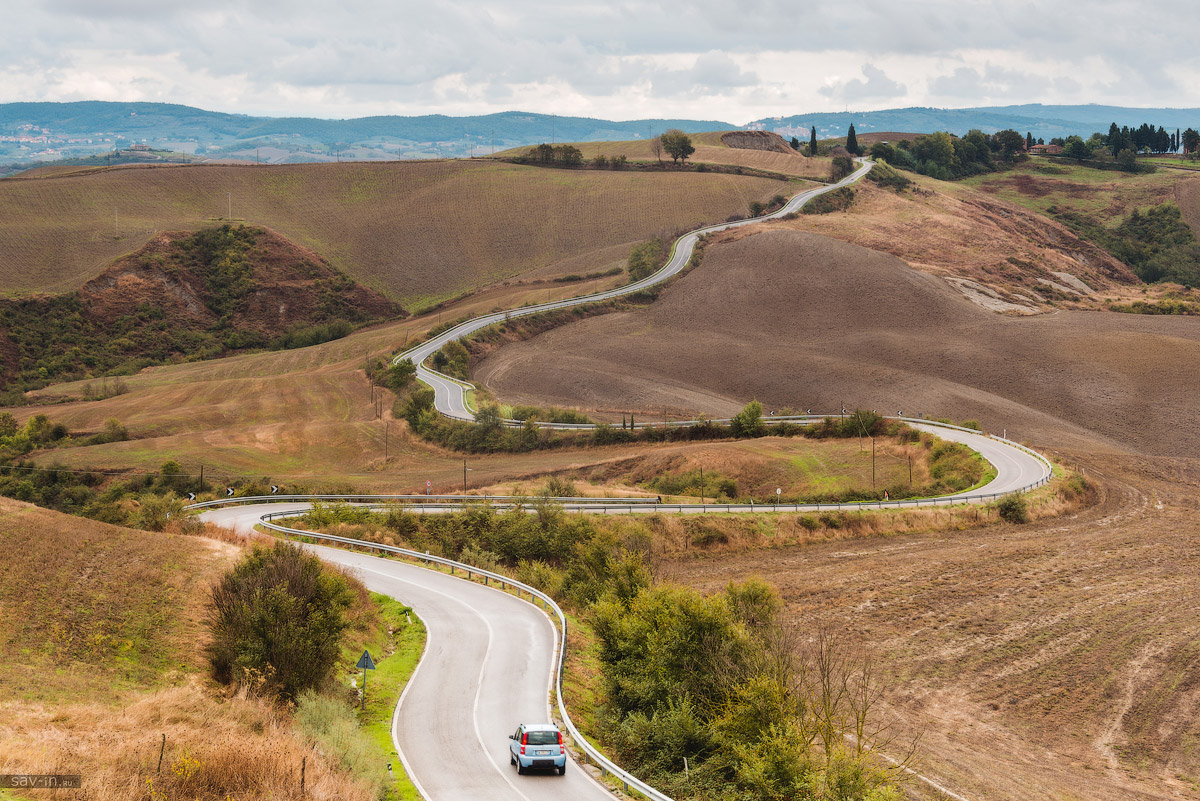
[[543, 753]]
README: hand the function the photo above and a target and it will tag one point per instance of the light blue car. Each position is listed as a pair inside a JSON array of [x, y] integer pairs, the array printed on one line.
[[537, 746]]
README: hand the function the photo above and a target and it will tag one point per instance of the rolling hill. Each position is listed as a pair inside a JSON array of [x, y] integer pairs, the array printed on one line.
[[419, 232]]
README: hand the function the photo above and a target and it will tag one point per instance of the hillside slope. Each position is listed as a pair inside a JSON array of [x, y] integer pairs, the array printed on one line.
[[183, 296], [800, 320], [415, 231]]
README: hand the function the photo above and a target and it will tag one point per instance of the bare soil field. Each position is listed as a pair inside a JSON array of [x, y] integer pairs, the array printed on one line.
[[1055, 660], [1187, 195], [393, 227], [804, 321]]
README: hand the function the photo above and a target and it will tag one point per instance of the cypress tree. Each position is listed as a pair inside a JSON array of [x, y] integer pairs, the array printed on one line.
[[812, 142], [1028, 140], [852, 140]]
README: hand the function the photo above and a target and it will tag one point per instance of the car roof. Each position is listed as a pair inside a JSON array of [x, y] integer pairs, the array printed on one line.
[[539, 726]]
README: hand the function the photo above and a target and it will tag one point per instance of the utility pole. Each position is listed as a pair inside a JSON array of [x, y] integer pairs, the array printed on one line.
[[116, 225], [229, 195], [465, 476], [493, 141], [872, 463], [702, 486], [385, 440]]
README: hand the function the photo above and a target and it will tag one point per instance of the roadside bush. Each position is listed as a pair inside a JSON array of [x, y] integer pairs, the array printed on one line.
[[748, 422], [1013, 509], [646, 259], [279, 614]]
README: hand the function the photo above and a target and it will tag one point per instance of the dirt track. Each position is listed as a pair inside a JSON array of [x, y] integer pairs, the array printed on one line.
[[799, 320], [1057, 660]]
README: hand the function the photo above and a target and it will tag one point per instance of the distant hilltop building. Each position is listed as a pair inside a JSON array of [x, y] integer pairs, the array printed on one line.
[[1047, 150], [140, 148]]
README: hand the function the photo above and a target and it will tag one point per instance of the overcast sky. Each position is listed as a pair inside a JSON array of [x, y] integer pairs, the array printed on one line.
[[732, 60]]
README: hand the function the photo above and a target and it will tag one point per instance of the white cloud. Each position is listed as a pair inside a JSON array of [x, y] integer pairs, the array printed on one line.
[[874, 87]]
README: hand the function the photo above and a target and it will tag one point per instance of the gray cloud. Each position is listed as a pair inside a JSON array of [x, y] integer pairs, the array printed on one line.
[[372, 56]]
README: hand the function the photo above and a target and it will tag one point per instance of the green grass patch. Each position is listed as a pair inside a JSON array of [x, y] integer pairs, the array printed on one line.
[[397, 649]]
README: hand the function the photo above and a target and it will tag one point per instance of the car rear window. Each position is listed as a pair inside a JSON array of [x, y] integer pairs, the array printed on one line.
[[542, 738]]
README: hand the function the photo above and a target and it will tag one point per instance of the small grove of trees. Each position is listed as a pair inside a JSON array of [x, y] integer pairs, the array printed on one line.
[[945, 156], [565, 155], [276, 621], [677, 144]]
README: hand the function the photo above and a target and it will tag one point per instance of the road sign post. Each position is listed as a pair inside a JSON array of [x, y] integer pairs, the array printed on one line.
[[365, 663]]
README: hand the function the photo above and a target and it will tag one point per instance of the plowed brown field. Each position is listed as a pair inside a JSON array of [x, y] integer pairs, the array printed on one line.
[[1055, 660], [800, 320]]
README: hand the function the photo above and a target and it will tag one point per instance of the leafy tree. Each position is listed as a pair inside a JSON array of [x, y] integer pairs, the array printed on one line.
[[812, 141], [1076, 148], [852, 141], [1191, 140], [278, 615], [677, 144], [1011, 143], [748, 422], [795, 143]]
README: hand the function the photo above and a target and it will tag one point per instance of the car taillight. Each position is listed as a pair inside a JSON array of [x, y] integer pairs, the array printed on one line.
[[524, 740], [561, 750]]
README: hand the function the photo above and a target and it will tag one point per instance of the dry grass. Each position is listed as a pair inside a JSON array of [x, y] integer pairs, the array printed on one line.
[[218, 749], [99, 646], [1051, 660], [710, 150], [57, 232], [950, 230], [71, 626]]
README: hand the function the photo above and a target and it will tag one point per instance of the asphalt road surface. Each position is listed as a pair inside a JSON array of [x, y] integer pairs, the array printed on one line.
[[488, 666]]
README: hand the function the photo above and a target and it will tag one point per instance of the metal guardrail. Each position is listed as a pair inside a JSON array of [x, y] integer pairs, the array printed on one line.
[[445, 502], [422, 500], [628, 780], [442, 503]]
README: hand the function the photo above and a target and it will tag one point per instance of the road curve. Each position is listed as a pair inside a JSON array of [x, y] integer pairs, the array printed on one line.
[[488, 665], [449, 394]]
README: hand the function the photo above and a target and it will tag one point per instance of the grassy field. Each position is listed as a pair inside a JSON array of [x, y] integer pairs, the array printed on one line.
[[1107, 195], [393, 227], [100, 669]]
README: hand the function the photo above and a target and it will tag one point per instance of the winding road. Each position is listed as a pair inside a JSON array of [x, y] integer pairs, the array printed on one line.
[[490, 659], [450, 393]]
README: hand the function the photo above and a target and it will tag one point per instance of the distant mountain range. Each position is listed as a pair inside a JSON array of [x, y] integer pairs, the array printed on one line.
[[1042, 121], [31, 132], [46, 132]]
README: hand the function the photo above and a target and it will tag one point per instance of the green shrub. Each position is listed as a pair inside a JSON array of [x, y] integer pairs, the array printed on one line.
[[1013, 509], [647, 258], [279, 615]]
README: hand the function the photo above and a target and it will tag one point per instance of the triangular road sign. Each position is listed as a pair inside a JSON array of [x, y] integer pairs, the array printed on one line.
[[365, 662]]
